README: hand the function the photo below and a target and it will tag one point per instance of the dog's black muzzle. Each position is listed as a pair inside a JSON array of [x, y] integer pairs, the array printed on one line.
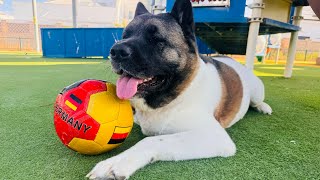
[[120, 52]]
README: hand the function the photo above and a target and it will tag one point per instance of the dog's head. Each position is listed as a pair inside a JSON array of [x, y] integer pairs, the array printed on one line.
[[157, 56]]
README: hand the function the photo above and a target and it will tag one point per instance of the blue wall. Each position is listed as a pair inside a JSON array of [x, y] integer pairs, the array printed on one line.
[[78, 42], [86, 42]]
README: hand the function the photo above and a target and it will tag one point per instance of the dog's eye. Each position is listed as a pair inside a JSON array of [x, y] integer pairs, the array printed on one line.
[[156, 39], [152, 29], [159, 39]]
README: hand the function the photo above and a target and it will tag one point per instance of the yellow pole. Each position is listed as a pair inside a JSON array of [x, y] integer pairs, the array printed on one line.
[[36, 25]]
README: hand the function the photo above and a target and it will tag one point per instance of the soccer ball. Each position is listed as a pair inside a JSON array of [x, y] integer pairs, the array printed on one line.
[[89, 117]]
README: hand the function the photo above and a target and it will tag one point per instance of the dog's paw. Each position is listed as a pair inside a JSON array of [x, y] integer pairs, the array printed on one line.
[[264, 108], [120, 167], [112, 168]]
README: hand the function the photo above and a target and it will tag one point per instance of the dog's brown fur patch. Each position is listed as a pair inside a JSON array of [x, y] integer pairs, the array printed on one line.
[[232, 92], [192, 72]]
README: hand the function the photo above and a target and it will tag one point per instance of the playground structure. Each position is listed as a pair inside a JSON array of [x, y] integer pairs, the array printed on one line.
[[223, 25], [233, 26]]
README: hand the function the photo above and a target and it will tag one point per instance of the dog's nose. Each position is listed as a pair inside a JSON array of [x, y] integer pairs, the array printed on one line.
[[120, 52]]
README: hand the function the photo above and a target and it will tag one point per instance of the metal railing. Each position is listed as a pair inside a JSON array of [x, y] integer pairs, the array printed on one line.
[[17, 44], [301, 55]]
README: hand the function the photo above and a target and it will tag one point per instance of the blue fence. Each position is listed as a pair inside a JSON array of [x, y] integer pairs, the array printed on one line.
[[85, 42], [78, 42]]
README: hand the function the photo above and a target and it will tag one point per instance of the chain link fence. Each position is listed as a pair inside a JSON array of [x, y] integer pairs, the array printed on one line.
[[19, 36], [301, 55], [17, 44], [17, 29]]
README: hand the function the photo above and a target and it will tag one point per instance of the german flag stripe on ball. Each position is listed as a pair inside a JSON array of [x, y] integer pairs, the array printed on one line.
[[119, 135], [73, 102], [76, 99], [70, 105]]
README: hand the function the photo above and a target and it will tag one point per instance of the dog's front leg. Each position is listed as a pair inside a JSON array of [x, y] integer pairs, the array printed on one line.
[[196, 144]]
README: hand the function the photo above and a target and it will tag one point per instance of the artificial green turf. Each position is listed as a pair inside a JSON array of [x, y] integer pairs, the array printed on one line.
[[285, 145]]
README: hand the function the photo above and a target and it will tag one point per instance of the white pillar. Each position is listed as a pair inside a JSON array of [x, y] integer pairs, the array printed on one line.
[[119, 8], [36, 25], [157, 7], [278, 54], [253, 34], [318, 59], [263, 61], [74, 13], [293, 43]]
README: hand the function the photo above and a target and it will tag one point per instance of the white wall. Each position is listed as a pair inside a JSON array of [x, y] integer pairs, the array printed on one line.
[[92, 15]]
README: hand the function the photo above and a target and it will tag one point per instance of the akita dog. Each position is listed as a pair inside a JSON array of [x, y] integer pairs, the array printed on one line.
[[182, 101]]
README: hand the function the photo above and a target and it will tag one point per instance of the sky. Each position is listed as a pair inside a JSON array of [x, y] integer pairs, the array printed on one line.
[[6, 5], [94, 12], [96, 15], [91, 13]]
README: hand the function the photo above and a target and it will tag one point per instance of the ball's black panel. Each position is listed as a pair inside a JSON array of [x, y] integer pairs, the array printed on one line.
[[72, 86], [77, 84]]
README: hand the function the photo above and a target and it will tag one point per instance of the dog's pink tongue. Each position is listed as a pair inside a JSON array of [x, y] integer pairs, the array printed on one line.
[[127, 87]]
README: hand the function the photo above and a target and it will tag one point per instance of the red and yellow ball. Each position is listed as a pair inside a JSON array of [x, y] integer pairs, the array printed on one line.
[[89, 117]]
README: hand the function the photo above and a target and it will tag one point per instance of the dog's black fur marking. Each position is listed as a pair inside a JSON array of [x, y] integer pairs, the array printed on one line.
[[165, 96], [183, 13], [163, 45]]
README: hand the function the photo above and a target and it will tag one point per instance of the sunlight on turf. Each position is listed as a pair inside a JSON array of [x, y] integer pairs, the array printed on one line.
[[280, 68], [259, 73], [43, 63]]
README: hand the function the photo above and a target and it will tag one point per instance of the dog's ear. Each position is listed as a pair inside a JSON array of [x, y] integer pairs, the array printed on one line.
[[141, 9], [182, 12]]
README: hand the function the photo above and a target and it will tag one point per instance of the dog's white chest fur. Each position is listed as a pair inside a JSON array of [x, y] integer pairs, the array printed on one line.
[[185, 128], [196, 103]]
